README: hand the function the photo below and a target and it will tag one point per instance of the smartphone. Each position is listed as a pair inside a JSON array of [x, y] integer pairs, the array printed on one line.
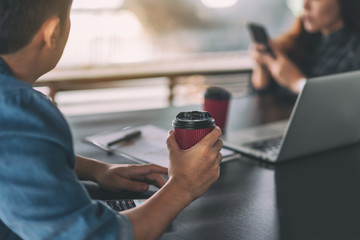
[[124, 204], [259, 35]]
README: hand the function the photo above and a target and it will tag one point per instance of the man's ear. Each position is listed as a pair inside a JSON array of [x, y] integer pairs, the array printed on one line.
[[51, 31]]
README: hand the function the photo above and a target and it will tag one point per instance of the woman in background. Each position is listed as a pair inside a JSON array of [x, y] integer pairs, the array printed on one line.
[[324, 40]]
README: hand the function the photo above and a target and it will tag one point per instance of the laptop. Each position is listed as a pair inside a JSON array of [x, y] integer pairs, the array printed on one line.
[[326, 115]]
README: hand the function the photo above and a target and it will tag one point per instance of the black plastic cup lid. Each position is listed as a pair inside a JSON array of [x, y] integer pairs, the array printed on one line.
[[193, 120], [217, 93]]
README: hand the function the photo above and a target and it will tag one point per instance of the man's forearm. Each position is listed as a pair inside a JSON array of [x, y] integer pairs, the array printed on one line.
[[152, 218], [87, 168]]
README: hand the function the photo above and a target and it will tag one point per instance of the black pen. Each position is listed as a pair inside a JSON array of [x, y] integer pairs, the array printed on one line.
[[125, 138]]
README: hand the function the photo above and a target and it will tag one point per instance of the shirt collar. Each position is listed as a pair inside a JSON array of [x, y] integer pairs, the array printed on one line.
[[4, 68]]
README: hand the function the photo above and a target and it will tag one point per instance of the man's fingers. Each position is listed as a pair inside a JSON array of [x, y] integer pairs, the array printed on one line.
[[218, 145], [219, 157], [171, 142], [213, 136], [156, 180], [158, 169], [145, 169], [130, 185], [148, 173]]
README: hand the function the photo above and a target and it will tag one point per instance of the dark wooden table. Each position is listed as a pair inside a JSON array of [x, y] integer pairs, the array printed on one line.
[[315, 197]]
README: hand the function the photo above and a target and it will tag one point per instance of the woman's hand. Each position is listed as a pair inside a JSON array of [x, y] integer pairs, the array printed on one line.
[[282, 69], [257, 52], [260, 76]]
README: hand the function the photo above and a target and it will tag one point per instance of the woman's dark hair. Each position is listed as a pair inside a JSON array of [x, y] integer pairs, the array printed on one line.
[[296, 42], [21, 19]]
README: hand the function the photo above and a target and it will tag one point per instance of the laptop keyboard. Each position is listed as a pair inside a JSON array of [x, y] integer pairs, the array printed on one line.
[[120, 205], [269, 146]]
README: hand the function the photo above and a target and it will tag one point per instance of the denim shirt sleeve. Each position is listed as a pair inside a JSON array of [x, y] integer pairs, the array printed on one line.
[[40, 195]]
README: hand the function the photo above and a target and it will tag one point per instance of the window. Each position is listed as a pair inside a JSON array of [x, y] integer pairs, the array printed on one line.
[[125, 31]]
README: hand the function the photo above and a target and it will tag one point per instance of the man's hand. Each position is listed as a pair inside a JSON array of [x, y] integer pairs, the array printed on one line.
[[136, 178], [191, 173], [196, 169], [116, 177]]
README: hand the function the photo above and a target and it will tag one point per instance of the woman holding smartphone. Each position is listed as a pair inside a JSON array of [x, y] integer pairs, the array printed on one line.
[[324, 40]]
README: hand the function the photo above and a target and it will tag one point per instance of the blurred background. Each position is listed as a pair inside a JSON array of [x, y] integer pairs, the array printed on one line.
[[115, 32]]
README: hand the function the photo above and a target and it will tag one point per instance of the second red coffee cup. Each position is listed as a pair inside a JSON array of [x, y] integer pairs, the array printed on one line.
[[191, 127], [216, 102]]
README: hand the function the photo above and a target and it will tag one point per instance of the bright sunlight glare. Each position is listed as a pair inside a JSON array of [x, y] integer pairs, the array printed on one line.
[[96, 4], [295, 6], [219, 3]]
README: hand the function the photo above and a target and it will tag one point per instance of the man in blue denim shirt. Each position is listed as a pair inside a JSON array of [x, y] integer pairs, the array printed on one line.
[[40, 195]]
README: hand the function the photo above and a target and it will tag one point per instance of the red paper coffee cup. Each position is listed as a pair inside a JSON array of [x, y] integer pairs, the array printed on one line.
[[216, 102], [191, 127]]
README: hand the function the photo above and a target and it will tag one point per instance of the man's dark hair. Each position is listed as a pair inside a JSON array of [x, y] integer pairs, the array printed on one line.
[[21, 19]]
